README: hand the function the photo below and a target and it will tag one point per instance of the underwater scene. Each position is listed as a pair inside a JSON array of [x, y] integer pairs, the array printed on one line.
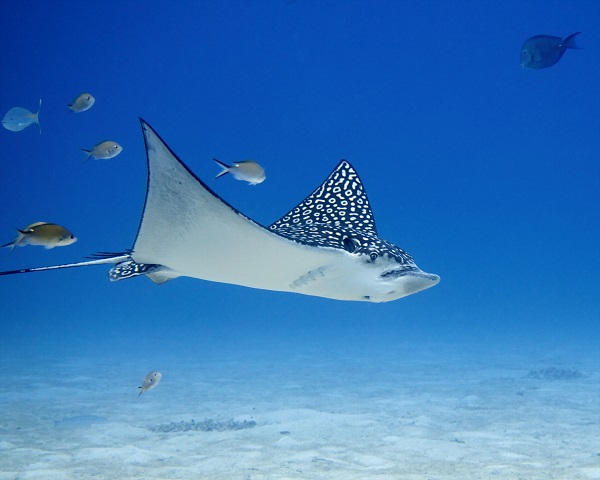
[[300, 239]]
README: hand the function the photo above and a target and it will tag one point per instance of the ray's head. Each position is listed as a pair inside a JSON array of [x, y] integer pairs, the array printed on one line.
[[393, 272]]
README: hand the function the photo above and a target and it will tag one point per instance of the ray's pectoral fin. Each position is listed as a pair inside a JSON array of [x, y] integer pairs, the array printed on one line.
[[341, 200]]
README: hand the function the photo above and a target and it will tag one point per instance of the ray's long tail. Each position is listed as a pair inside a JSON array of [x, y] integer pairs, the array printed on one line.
[[98, 259]]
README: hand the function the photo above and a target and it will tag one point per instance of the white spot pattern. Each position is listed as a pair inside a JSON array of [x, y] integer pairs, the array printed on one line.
[[129, 268], [338, 215], [340, 201]]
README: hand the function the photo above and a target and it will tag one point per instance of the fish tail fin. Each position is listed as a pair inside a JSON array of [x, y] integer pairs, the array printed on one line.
[[569, 42], [224, 166], [89, 154], [20, 236], [37, 116], [141, 391], [10, 244]]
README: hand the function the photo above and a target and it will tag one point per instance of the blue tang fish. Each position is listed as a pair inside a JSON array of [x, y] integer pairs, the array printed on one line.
[[543, 51]]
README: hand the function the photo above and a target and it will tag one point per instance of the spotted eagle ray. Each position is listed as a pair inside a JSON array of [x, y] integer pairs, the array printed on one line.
[[327, 246]]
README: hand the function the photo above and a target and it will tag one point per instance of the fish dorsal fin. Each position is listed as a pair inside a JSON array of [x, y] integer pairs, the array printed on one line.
[[340, 201], [29, 228]]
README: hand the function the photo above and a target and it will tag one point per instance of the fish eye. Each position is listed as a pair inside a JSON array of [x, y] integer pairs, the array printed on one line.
[[373, 256]]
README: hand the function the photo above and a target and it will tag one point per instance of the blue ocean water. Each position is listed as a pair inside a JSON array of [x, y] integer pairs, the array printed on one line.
[[486, 173]]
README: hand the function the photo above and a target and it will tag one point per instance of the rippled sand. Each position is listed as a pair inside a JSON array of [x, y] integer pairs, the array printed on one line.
[[431, 412]]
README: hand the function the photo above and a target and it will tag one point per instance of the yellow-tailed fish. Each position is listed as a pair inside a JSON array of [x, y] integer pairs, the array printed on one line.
[[48, 235], [19, 118], [82, 103], [246, 170], [104, 150]]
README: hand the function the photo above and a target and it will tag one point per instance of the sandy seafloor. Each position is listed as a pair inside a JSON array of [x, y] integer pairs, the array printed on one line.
[[415, 411]]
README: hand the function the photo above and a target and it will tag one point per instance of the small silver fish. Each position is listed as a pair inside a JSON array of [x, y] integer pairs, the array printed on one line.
[[104, 150], [19, 118], [247, 170], [48, 235], [151, 381], [82, 103]]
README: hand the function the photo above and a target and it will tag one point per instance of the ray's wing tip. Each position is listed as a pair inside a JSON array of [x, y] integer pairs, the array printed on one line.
[[143, 124], [146, 127], [147, 130], [344, 164]]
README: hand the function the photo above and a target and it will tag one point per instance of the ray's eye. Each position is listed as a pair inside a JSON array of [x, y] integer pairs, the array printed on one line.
[[373, 256]]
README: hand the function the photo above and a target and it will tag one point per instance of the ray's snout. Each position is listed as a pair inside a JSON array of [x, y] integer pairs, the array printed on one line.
[[411, 281], [419, 280]]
